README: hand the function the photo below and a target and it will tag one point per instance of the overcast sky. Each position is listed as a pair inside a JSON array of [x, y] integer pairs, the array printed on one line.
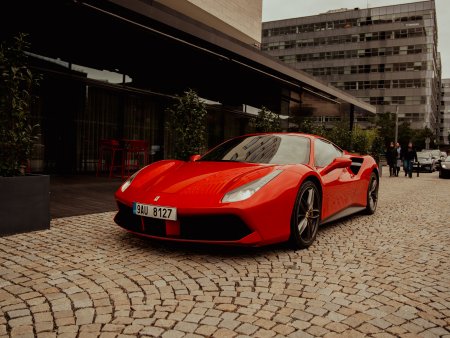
[[284, 9]]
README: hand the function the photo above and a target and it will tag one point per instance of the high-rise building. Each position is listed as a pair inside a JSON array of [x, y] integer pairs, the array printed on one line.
[[386, 56], [444, 123]]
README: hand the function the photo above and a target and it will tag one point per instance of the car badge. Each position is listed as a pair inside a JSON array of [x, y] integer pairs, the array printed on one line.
[[156, 198]]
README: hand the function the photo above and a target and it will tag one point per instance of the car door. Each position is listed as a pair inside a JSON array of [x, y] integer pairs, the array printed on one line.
[[337, 184]]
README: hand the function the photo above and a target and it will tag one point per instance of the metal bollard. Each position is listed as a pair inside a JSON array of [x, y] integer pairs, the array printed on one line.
[[418, 168]]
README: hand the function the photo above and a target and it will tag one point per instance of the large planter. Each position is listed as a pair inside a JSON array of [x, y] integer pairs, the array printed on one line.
[[24, 204]]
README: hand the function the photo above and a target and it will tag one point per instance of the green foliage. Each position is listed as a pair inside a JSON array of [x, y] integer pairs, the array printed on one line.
[[385, 123], [375, 143], [405, 133], [341, 136], [266, 121], [17, 133], [420, 136], [309, 127], [187, 125], [360, 141]]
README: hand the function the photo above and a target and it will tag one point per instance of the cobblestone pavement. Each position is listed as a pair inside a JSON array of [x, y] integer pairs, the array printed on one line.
[[386, 275]]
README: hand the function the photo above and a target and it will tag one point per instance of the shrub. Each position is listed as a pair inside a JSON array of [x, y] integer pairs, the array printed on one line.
[[17, 133], [266, 121], [187, 125]]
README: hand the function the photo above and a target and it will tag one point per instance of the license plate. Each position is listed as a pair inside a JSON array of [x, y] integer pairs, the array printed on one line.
[[155, 211]]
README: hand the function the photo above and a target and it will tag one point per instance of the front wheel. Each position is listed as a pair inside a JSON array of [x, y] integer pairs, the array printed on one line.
[[372, 194], [306, 216]]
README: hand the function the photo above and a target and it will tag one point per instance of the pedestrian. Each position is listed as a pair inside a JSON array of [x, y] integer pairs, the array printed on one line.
[[410, 156], [391, 157], [398, 157]]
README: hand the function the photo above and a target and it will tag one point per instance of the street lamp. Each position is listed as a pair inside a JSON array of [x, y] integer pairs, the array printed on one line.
[[397, 115]]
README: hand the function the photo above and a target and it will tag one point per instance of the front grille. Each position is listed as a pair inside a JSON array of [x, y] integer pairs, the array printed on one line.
[[206, 228], [126, 219], [213, 228]]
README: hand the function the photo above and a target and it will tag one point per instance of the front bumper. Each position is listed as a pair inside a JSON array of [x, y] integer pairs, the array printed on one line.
[[206, 228], [423, 166]]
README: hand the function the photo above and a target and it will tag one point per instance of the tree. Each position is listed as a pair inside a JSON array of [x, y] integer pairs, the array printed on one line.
[[385, 123], [420, 136], [405, 133], [341, 135], [17, 133], [309, 127], [360, 141], [187, 125], [266, 121]]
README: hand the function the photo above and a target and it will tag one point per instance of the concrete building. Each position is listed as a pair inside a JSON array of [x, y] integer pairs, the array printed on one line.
[[444, 123], [240, 19], [110, 68], [385, 56]]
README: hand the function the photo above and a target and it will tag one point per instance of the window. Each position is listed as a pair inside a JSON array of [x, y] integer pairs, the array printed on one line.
[[324, 153]]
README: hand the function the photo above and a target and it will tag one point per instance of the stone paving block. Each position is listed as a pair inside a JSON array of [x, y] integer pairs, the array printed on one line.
[[22, 331], [225, 333], [173, 334], [362, 276], [206, 330], [46, 335], [317, 330]]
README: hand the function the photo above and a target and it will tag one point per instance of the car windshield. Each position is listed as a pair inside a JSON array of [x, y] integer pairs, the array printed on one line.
[[423, 156], [269, 149]]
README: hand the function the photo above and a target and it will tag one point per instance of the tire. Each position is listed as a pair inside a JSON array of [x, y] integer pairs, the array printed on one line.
[[372, 194], [305, 218]]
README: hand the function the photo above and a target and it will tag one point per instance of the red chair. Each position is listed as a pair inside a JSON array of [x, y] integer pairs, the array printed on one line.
[[136, 155], [110, 157]]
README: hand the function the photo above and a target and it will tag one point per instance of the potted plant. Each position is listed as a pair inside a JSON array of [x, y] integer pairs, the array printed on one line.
[[187, 125], [24, 197]]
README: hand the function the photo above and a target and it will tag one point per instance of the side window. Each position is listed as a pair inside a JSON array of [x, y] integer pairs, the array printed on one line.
[[324, 153]]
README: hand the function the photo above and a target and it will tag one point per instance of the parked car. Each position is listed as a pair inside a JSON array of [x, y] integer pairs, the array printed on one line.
[[443, 156], [435, 153], [251, 190], [425, 161], [444, 171]]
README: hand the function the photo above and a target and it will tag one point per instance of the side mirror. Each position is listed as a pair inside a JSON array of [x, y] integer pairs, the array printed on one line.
[[194, 158], [338, 162]]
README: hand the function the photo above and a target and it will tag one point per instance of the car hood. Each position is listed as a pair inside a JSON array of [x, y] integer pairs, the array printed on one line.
[[193, 179]]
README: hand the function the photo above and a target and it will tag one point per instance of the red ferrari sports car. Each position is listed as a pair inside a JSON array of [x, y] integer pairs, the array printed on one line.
[[251, 190]]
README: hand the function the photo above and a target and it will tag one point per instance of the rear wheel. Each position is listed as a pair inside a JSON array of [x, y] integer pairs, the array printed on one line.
[[372, 194], [306, 215]]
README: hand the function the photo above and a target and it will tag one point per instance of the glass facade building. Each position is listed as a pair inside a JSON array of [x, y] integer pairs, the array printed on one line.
[[386, 56], [113, 78]]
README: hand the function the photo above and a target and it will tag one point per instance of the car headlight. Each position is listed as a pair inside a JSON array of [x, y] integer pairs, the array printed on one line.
[[247, 190], [128, 181]]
